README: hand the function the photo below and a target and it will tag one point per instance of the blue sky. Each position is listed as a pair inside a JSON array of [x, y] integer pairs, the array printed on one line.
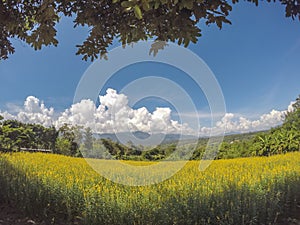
[[255, 60]]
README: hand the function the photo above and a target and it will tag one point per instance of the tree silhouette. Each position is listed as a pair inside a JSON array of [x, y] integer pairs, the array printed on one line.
[[127, 20]]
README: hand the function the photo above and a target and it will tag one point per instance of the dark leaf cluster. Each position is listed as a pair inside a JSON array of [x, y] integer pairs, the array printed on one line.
[[129, 21]]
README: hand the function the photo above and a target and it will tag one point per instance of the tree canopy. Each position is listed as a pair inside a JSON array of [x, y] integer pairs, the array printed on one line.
[[292, 118], [33, 21]]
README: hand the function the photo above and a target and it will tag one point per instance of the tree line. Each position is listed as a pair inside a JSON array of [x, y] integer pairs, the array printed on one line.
[[79, 141], [278, 140], [15, 135]]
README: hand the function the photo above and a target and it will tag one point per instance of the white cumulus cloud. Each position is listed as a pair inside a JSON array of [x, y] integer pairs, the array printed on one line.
[[33, 111], [234, 123], [115, 115]]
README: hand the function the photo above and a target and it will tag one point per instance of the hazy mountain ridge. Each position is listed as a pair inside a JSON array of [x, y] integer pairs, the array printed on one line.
[[147, 139], [144, 138]]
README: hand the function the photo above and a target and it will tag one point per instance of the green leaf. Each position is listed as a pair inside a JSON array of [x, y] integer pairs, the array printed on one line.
[[219, 22], [146, 5], [186, 42], [127, 4], [138, 12], [180, 41], [189, 4], [157, 4]]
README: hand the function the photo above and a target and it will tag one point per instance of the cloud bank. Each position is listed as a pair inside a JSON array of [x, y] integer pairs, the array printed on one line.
[[114, 115]]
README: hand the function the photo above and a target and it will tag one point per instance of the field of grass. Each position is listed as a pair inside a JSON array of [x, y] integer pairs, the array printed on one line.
[[239, 191]]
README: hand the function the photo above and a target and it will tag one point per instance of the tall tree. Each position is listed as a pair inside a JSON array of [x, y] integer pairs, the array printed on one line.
[[88, 138], [50, 137], [11, 134], [292, 118], [129, 20], [285, 138], [66, 142]]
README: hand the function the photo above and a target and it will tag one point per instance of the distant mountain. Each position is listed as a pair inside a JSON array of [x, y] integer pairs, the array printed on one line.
[[146, 139], [242, 136], [143, 138]]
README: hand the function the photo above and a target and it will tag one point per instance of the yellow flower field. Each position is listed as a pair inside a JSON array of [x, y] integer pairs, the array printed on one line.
[[238, 191]]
